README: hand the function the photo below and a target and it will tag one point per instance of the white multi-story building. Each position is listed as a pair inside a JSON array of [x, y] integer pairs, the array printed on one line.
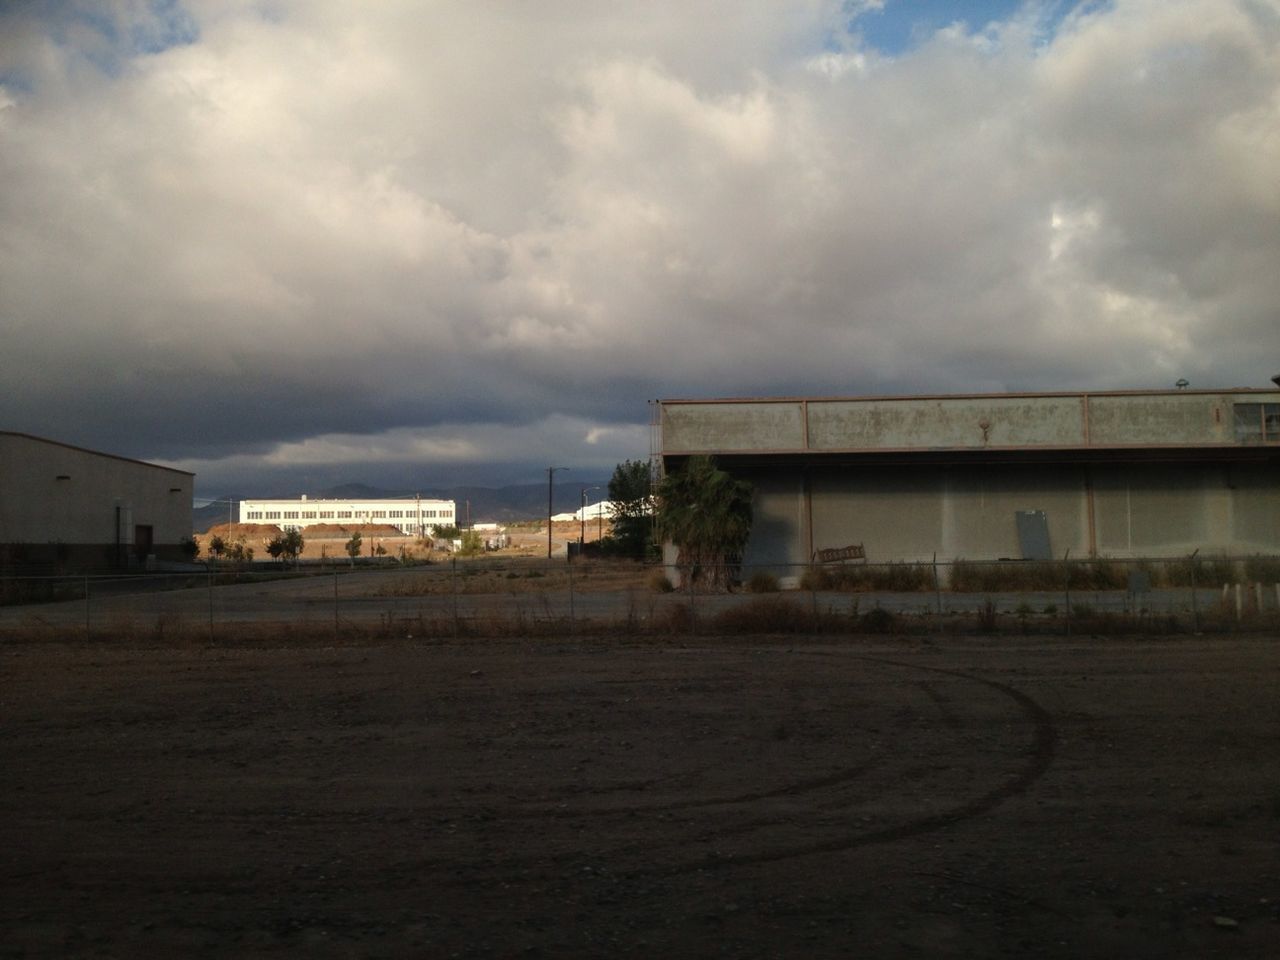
[[413, 516]]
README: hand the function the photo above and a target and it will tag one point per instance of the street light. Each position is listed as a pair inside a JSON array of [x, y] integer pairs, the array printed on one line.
[[551, 478], [582, 515]]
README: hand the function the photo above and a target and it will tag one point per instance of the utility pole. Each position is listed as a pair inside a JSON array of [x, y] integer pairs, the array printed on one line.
[[582, 535], [551, 479]]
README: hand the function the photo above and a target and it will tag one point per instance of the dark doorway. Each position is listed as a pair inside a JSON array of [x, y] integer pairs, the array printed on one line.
[[143, 540]]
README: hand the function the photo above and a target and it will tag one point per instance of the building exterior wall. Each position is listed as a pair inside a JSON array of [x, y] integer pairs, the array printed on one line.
[[1005, 422], [412, 516], [1155, 474], [77, 508], [907, 513]]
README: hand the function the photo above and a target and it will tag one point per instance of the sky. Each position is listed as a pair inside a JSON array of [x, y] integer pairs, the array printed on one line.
[[285, 244]]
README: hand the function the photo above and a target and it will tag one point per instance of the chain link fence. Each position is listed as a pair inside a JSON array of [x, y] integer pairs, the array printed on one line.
[[492, 596]]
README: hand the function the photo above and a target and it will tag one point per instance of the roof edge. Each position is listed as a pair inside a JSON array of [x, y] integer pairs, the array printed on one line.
[[96, 453], [1080, 394]]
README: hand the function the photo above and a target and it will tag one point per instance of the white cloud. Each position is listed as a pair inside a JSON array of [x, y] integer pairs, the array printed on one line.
[[357, 236]]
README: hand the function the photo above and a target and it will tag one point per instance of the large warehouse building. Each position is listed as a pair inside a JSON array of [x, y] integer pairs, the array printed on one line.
[[411, 516], [1121, 474], [63, 507]]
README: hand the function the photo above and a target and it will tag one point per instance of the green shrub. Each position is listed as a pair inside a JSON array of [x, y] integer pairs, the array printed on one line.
[[1262, 569], [969, 576], [889, 577], [815, 578], [762, 582]]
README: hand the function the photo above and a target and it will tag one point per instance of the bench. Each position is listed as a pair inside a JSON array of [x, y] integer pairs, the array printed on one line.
[[854, 551]]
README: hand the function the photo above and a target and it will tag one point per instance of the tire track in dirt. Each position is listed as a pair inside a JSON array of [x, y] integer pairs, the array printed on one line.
[[942, 703], [1041, 752], [798, 788]]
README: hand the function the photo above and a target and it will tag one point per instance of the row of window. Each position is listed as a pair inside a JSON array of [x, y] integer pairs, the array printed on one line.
[[342, 514], [1257, 422]]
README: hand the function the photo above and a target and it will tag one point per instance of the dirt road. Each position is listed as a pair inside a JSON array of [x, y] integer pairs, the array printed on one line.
[[752, 799]]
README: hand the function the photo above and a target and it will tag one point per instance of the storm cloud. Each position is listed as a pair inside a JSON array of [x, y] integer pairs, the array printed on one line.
[[270, 239]]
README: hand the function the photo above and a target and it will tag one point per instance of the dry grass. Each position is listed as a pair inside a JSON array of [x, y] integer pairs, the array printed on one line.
[[483, 575]]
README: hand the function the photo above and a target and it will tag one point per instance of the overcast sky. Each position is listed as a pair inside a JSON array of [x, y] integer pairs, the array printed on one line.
[[286, 244]]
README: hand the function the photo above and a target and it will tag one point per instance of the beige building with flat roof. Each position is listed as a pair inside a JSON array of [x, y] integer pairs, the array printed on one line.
[[64, 507], [996, 476]]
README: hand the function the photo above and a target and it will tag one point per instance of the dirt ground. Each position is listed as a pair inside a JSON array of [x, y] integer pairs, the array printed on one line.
[[751, 799], [328, 540]]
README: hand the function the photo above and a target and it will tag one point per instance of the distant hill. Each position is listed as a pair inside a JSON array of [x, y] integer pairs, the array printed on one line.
[[526, 501]]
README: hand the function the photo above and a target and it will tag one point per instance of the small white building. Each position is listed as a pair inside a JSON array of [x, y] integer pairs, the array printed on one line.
[[412, 516], [602, 510]]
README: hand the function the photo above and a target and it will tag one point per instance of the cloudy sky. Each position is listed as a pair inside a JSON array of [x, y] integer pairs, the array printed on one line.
[[287, 243]]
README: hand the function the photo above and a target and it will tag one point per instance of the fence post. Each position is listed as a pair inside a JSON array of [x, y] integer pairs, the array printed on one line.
[[88, 633], [335, 605], [1195, 601], [571, 612], [210, 569], [937, 589], [693, 613], [1066, 576], [813, 602], [453, 587]]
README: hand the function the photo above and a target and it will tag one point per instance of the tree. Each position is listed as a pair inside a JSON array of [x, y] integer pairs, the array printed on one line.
[[472, 544], [190, 548], [707, 515], [631, 510], [293, 543], [286, 546], [353, 546], [217, 547]]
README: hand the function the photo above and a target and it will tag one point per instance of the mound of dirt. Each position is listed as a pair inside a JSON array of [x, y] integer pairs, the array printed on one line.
[[231, 532], [332, 531]]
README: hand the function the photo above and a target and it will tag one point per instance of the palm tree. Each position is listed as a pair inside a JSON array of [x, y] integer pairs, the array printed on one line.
[[706, 513]]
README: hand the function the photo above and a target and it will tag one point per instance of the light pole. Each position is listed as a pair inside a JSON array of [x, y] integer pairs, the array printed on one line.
[[229, 501], [551, 479], [582, 515]]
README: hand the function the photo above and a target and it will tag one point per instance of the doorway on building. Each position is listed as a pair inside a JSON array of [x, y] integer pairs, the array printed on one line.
[[143, 541]]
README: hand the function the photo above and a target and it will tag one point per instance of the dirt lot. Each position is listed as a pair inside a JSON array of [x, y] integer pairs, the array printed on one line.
[[751, 799], [329, 540]]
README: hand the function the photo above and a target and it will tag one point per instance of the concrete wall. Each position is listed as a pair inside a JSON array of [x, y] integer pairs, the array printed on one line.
[[57, 496], [1015, 422], [909, 512], [1134, 474]]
